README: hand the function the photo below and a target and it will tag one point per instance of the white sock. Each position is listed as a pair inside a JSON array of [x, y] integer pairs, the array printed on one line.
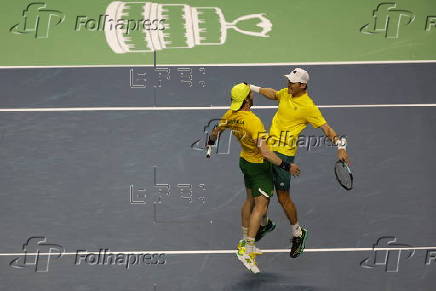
[[296, 230], [244, 233], [250, 247], [264, 220]]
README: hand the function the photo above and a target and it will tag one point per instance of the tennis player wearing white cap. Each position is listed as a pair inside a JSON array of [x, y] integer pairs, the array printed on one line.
[[295, 111], [255, 163]]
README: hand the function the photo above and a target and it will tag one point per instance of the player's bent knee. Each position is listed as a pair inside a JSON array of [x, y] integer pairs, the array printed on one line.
[[261, 210], [261, 203]]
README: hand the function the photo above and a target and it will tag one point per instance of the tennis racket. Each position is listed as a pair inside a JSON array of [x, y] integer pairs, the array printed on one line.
[[343, 175]]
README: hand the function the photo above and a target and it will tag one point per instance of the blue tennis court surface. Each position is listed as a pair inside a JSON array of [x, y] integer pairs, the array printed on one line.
[[92, 181]]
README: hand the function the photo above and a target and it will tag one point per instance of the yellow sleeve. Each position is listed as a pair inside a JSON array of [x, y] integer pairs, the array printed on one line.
[[281, 93], [315, 118]]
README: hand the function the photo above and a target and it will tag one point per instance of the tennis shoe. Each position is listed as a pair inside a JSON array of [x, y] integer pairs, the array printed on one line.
[[247, 259], [263, 230], [298, 244]]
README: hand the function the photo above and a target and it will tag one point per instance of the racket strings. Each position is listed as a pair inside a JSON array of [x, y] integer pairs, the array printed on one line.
[[343, 175]]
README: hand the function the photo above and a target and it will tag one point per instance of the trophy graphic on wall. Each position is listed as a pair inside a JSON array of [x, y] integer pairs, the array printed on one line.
[[172, 26]]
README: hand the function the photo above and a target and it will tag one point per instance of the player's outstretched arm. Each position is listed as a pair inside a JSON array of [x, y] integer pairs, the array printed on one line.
[[340, 142], [269, 93], [293, 168]]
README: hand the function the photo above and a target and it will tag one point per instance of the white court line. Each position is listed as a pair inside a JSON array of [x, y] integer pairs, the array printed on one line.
[[194, 252], [183, 108], [230, 64]]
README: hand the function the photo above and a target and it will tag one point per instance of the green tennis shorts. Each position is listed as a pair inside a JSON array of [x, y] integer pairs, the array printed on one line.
[[257, 177], [282, 178]]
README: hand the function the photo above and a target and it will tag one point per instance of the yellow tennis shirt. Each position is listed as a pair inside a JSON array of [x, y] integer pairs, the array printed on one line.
[[247, 128], [292, 116]]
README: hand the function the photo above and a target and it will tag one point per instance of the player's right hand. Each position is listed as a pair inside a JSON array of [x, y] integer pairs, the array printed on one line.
[[208, 151], [294, 170], [343, 156]]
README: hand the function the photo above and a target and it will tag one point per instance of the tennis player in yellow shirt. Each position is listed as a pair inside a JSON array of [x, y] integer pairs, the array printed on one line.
[[255, 163], [295, 111]]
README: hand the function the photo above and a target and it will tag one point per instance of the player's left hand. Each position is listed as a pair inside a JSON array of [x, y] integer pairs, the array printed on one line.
[[343, 156], [295, 170]]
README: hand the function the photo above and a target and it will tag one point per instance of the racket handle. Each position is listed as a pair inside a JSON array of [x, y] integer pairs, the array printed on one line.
[[209, 151]]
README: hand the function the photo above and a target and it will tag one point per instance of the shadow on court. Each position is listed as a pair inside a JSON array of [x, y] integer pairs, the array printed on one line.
[[270, 281]]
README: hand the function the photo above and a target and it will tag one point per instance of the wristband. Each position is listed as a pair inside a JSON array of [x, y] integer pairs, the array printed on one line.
[[285, 166], [341, 143], [254, 88]]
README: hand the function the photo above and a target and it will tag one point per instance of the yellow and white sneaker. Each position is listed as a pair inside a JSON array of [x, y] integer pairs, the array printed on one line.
[[248, 259], [257, 251]]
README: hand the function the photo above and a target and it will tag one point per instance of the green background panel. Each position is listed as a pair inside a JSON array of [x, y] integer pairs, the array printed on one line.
[[302, 31]]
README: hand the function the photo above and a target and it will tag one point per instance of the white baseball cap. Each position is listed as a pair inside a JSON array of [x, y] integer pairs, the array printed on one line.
[[298, 75]]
